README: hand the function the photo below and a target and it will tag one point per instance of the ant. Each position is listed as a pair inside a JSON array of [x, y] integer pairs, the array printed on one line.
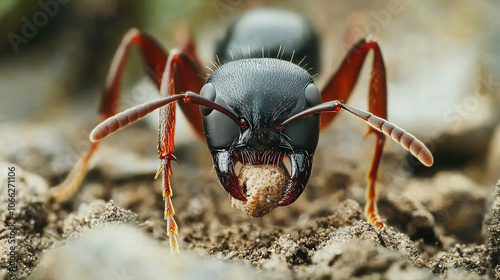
[[253, 109]]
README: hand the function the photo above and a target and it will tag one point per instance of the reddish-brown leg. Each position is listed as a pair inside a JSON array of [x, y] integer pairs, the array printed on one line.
[[172, 74], [155, 59], [181, 74], [340, 87]]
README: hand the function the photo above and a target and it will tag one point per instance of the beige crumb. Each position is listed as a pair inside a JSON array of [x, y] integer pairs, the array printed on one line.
[[264, 185]]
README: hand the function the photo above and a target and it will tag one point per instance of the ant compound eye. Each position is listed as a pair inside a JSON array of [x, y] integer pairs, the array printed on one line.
[[312, 95], [207, 92], [243, 124]]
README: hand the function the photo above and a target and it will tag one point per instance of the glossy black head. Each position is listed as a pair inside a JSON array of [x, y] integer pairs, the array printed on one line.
[[263, 92]]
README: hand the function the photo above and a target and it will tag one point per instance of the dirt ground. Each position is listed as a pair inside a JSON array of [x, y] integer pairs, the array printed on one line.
[[440, 226], [442, 222]]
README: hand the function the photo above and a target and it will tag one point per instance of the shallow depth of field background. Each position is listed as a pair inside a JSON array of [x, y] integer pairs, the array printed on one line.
[[443, 69], [442, 62]]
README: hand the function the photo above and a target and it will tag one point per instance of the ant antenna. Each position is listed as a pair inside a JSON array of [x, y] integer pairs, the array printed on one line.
[[131, 115], [399, 135]]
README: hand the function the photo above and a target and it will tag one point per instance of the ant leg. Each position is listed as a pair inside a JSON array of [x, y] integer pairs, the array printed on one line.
[[155, 59], [180, 75], [340, 87], [185, 43], [184, 74], [378, 106]]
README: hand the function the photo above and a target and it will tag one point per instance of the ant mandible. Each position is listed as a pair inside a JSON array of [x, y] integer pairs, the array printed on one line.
[[262, 104]]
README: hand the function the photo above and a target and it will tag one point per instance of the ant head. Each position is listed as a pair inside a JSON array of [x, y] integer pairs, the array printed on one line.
[[262, 92]]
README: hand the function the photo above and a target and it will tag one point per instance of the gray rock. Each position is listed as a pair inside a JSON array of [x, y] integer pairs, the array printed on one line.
[[125, 252], [94, 215]]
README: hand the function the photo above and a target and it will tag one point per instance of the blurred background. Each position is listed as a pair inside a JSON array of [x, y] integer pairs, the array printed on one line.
[[442, 61], [443, 69]]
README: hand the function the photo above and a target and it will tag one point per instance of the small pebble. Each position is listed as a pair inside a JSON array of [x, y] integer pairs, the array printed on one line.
[[263, 186]]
